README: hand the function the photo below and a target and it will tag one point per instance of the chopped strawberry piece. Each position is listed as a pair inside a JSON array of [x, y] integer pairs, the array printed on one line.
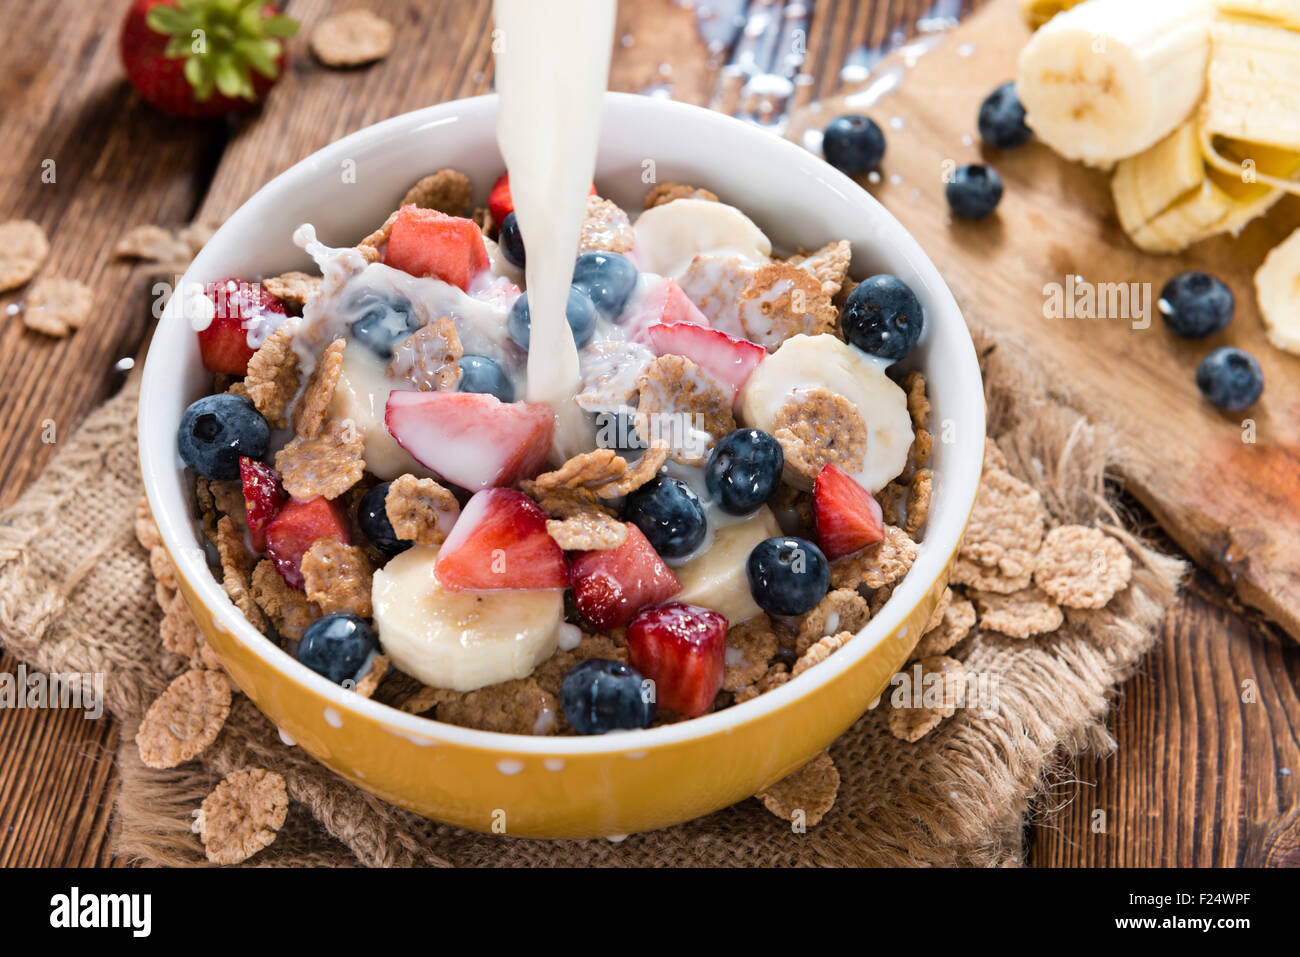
[[611, 586], [425, 242], [472, 439], [501, 204], [729, 360], [263, 497], [664, 302], [500, 543], [297, 527], [848, 517], [683, 650], [240, 307]]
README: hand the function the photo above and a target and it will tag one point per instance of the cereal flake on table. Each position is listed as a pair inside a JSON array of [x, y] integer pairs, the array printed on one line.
[[806, 795], [23, 248], [56, 305], [667, 192], [337, 578], [1021, 614], [310, 411], [448, 191], [429, 358], [1005, 529], [817, 427], [328, 465], [914, 719], [242, 815], [152, 244], [185, 719], [180, 634], [954, 623], [1082, 567], [271, 381], [414, 507], [606, 227], [352, 38]]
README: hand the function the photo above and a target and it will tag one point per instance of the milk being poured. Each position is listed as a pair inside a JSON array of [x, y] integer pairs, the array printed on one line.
[[552, 67]]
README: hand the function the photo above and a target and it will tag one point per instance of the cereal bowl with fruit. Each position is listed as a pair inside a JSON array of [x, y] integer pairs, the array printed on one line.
[[590, 618]]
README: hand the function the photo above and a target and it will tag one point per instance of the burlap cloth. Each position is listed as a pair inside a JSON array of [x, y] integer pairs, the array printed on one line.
[[76, 595]]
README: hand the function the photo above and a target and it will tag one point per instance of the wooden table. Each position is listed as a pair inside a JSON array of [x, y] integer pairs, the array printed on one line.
[[1207, 770]]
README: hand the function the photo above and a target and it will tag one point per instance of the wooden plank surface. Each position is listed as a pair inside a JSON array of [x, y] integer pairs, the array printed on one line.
[[1199, 775], [1225, 487]]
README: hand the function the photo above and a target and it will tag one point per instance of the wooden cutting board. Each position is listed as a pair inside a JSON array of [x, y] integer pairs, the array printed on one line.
[[1232, 503]]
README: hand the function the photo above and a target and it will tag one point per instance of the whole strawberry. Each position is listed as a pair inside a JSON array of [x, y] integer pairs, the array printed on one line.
[[204, 57]]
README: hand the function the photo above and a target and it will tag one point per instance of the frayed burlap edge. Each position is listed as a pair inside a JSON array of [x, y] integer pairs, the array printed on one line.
[[960, 796]]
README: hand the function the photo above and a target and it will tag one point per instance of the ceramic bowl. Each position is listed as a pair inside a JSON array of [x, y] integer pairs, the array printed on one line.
[[568, 787]]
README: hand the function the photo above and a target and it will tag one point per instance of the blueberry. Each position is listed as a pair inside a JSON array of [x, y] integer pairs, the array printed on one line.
[[216, 430], [853, 144], [787, 576], [481, 374], [372, 516], [579, 310], [669, 514], [1196, 305], [974, 191], [337, 646], [607, 278], [744, 470], [384, 322], [599, 696], [1230, 379], [1002, 119], [617, 430], [883, 317], [512, 241]]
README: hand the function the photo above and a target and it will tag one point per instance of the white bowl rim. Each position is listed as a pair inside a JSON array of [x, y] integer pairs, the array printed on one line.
[[177, 531]]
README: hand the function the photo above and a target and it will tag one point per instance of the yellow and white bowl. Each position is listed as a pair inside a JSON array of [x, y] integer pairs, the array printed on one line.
[[568, 787]]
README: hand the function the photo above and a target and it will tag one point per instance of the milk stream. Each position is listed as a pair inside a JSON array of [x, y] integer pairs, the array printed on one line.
[[552, 67]]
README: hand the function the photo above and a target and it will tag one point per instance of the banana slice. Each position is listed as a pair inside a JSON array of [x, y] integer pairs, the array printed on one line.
[[359, 398], [1109, 78], [1277, 289], [668, 237], [717, 578], [460, 640], [1146, 185], [805, 362]]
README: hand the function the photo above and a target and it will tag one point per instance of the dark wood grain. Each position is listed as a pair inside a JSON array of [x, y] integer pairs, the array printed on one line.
[[1198, 777]]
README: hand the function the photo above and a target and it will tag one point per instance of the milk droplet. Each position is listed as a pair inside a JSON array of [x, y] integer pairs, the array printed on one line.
[[333, 718], [510, 766], [286, 739], [570, 636]]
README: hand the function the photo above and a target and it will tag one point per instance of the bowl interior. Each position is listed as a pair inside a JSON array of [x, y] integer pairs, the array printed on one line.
[[348, 188]]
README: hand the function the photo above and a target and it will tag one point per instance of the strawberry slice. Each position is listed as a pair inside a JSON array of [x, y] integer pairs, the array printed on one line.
[[500, 543], [472, 439], [425, 242], [240, 307], [729, 360], [848, 517], [263, 497], [297, 527], [683, 650], [501, 204], [610, 587], [664, 302]]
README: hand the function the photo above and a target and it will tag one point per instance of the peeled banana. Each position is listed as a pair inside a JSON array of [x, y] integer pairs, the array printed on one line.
[[1277, 290], [1038, 12], [1108, 79], [1284, 12]]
